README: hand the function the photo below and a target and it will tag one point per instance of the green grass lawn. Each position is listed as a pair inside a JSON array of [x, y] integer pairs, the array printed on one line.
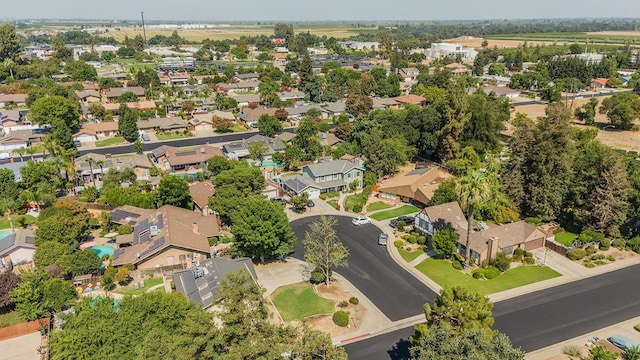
[[171, 136], [299, 301], [129, 290], [4, 222], [111, 141], [9, 318], [444, 274], [403, 210], [378, 205], [352, 200], [566, 238], [238, 128], [409, 256], [333, 203]]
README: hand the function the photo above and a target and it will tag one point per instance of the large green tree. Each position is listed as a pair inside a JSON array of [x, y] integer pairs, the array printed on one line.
[[174, 190], [445, 241], [472, 189], [261, 230], [622, 109], [323, 248], [488, 115], [9, 43], [61, 114], [38, 296], [65, 222], [128, 123]]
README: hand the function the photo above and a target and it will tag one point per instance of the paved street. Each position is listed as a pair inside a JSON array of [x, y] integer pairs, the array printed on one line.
[[394, 291]]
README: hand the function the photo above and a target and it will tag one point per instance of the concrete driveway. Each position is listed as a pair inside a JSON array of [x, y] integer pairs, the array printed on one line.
[[21, 348]]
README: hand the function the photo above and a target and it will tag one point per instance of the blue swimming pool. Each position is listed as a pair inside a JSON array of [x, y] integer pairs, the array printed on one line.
[[4, 233], [269, 163], [103, 250]]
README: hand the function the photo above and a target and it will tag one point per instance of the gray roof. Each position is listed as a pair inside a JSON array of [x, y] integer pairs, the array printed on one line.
[[339, 106], [297, 184], [332, 167], [21, 238], [447, 215], [302, 109], [274, 144], [250, 98], [15, 167], [200, 283], [166, 123]]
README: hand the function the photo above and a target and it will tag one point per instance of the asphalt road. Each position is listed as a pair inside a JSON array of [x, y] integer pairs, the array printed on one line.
[[541, 319], [392, 289]]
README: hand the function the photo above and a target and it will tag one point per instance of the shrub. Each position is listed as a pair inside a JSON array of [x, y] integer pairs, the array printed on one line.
[[491, 272], [405, 236], [421, 239], [589, 265], [533, 221], [518, 252], [619, 244], [357, 207], [457, 265], [605, 244], [398, 243], [528, 254], [343, 304], [354, 300], [458, 257], [484, 264], [599, 262], [576, 254], [611, 258], [317, 275], [591, 250], [637, 327], [341, 318], [529, 261], [323, 196], [125, 229], [412, 239], [478, 273], [502, 262], [597, 257], [634, 244], [572, 350]]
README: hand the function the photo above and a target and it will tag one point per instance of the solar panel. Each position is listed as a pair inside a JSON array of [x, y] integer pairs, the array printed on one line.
[[186, 153], [117, 253], [30, 239], [159, 221], [156, 244], [136, 238], [119, 215], [144, 236]]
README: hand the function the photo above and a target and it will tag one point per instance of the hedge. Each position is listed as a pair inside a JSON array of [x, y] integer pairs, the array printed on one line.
[[576, 254], [456, 265], [341, 318], [398, 243], [491, 272], [478, 273]]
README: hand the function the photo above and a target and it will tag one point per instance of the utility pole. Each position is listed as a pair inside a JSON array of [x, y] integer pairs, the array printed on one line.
[[144, 31]]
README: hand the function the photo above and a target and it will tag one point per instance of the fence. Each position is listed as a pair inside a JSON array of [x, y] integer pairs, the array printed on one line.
[[557, 247], [94, 206], [23, 328]]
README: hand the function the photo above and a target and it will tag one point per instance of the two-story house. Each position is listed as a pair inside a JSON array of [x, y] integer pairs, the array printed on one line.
[[329, 176]]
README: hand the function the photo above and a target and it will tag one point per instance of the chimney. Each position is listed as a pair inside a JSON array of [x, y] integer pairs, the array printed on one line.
[[492, 250], [202, 150], [194, 228]]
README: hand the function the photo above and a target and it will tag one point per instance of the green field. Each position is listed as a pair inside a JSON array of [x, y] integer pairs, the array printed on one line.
[[129, 290], [4, 222], [111, 141], [444, 274], [389, 214], [621, 38], [299, 301], [378, 205]]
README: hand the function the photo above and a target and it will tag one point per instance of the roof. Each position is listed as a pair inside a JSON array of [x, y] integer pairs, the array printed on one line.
[[21, 238], [200, 283], [116, 92], [332, 167], [507, 235], [499, 90], [447, 215], [101, 126], [417, 184], [254, 114], [155, 230], [285, 95], [328, 139], [339, 106], [302, 109], [178, 157], [410, 99], [86, 93], [298, 184], [163, 123], [248, 98], [224, 114], [380, 103], [601, 81], [274, 144], [132, 105], [200, 192], [14, 98], [239, 85], [286, 136]]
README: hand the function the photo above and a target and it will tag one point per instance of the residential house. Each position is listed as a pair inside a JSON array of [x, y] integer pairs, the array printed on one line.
[[501, 91], [240, 150], [10, 119], [251, 116], [413, 184], [328, 176], [239, 86], [328, 139], [599, 83], [335, 108], [169, 237], [442, 50], [408, 74], [203, 122], [410, 99], [385, 103], [140, 164], [434, 218], [291, 95], [18, 139], [299, 111], [13, 100], [17, 248], [245, 100], [102, 129], [89, 96], [85, 136], [200, 283], [170, 158], [201, 192], [286, 136], [141, 105], [359, 45], [111, 95], [173, 123], [178, 78], [459, 69], [254, 76], [190, 90]]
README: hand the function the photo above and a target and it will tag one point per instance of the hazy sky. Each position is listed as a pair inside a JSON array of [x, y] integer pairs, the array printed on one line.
[[301, 10]]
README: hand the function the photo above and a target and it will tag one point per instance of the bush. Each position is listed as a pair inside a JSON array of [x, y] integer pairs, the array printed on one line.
[[421, 239], [619, 244], [341, 318], [611, 258], [478, 273], [599, 262], [458, 257], [528, 254], [518, 252], [317, 275], [412, 239], [323, 196], [597, 257], [576, 254], [354, 300], [589, 265], [398, 243], [591, 250], [484, 264], [405, 236], [343, 304], [491, 272], [637, 327], [529, 261], [605, 244], [572, 350], [125, 229], [502, 262], [357, 207], [457, 265], [634, 244], [533, 221]]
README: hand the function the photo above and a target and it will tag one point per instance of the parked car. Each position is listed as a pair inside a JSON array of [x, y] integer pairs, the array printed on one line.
[[279, 200], [5, 156], [360, 220], [382, 239], [408, 220], [310, 203]]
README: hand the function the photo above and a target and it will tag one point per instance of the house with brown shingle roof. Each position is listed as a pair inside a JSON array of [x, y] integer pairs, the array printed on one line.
[[412, 184], [13, 99], [448, 215], [166, 237], [201, 192], [102, 129], [112, 94], [170, 158], [410, 99]]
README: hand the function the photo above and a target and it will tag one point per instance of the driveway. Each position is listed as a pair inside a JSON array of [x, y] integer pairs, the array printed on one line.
[[393, 290]]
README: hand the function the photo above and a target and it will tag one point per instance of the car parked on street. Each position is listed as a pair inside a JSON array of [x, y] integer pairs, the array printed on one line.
[[360, 220], [279, 200], [382, 239]]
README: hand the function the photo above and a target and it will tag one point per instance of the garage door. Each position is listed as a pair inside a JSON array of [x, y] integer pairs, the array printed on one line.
[[313, 194], [531, 245]]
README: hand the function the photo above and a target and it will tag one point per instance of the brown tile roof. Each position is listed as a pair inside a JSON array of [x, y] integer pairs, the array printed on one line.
[[179, 157], [132, 105], [15, 98], [201, 193], [101, 126], [254, 114], [417, 184], [179, 228], [116, 92], [410, 99]]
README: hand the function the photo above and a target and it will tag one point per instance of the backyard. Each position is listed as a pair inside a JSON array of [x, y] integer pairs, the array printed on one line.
[[403, 210], [566, 238], [444, 274], [130, 290], [110, 141], [299, 301], [28, 219]]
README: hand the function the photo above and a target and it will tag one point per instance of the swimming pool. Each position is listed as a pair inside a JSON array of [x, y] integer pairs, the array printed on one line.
[[4, 233], [103, 250], [269, 163]]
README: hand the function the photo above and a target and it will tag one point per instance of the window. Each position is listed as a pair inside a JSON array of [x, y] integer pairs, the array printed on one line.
[[348, 175], [336, 176], [508, 250]]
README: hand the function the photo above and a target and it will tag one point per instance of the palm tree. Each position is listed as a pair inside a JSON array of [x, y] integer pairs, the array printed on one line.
[[31, 151], [90, 160], [101, 164], [20, 152], [472, 189]]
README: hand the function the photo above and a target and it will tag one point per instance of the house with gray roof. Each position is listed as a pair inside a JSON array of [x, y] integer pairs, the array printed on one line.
[[298, 111], [327, 176], [199, 284], [17, 248], [239, 150]]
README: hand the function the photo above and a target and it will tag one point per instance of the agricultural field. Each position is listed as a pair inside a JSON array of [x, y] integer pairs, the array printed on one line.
[[600, 37]]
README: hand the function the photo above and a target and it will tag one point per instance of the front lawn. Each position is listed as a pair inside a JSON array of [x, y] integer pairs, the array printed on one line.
[[378, 205], [566, 238], [409, 256], [444, 274], [355, 202], [28, 219], [333, 203], [171, 136], [299, 301], [238, 128], [129, 290], [393, 213], [110, 141]]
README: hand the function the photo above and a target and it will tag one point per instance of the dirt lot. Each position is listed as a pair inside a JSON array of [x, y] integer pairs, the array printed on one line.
[[474, 42], [621, 33]]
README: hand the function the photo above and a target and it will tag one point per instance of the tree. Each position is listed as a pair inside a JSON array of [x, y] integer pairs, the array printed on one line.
[[472, 190], [299, 202], [305, 73], [622, 109], [61, 114], [258, 150], [385, 155], [444, 343], [358, 104], [323, 248], [268, 91], [587, 112], [174, 190], [82, 262], [261, 230], [65, 222], [608, 203], [445, 241], [51, 252], [454, 119], [122, 276], [9, 43], [37, 296], [269, 125], [8, 282], [137, 146], [127, 97], [307, 139], [551, 93], [128, 123], [218, 164], [9, 191], [221, 124]]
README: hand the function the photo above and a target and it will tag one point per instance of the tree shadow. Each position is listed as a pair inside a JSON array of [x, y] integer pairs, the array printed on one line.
[[400, 350]]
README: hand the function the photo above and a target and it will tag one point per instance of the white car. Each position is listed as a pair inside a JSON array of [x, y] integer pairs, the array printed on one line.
[[5, 156], [360, 220]]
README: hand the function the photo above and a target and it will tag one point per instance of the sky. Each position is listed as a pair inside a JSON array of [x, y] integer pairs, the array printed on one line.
[[319, 10]]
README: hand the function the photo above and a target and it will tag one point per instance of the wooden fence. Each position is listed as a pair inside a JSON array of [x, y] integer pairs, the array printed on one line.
[[23, 328], [557, 247]]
